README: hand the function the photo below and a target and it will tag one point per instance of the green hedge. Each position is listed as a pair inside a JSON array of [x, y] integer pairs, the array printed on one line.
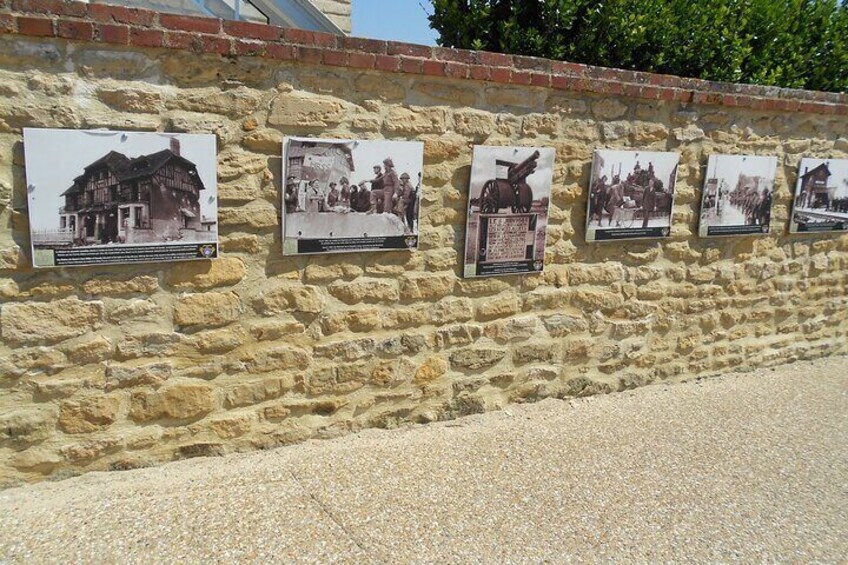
[[791, 43]]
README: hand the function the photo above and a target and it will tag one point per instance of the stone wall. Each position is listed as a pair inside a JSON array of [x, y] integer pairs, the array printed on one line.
[[121, 367]]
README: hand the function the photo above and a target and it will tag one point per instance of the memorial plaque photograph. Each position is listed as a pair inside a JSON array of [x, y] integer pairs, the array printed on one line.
[[821, 196], [631, 195], [99, 197], [344, 196], [737, 196], [508, 210]]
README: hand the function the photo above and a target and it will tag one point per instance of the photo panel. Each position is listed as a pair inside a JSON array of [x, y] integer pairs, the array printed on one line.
[[508, 201], [343, 196], [631, 195], [738, 195], [98, 197], [821, 196]]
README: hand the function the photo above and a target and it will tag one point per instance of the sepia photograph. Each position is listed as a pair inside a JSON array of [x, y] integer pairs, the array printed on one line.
[[350, 195], [821, 196], [100, 197], [508, 203], [737, 196], [631, 194]]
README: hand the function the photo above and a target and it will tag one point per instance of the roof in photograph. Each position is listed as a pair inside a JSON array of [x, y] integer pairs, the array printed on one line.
[[126, 169]]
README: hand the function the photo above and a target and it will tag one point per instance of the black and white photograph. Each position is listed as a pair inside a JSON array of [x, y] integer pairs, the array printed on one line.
[[100, 197], [508, 203], [631, 195], [737, 196], [821, 196], [344, 196]]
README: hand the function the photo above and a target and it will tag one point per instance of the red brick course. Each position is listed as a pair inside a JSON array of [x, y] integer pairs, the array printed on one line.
[[77, 21]]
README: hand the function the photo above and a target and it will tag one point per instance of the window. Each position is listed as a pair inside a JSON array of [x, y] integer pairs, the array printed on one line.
[[138, 211]]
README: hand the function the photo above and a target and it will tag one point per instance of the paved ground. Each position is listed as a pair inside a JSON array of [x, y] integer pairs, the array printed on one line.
[[747, 468]]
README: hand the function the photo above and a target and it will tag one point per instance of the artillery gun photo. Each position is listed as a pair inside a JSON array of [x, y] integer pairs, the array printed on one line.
[[511, 192]]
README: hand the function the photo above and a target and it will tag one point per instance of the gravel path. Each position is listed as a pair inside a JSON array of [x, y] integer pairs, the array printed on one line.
[[748, 468]]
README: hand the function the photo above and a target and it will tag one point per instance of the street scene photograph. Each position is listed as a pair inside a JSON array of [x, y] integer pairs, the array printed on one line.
[[348, 195], [821, 196], [737, 196], [631, 194], [120, 197], [508, 202]]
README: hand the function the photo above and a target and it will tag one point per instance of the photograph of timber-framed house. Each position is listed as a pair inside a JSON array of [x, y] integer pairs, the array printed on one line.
[[96, 190], [146, 199]]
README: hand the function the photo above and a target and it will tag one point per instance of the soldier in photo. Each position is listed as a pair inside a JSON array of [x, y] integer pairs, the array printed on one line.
[[391, 183], [332, 198], [377, 190], [361, 201], [291, 194], [344, 193]]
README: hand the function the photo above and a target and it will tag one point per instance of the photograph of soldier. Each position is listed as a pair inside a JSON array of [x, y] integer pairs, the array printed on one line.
[[344, 196], [508, 201], [737, 195], [631, 194], [120, 197], [821, 196]]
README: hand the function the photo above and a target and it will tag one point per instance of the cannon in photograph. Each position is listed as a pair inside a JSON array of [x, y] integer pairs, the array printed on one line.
[[511, 192]]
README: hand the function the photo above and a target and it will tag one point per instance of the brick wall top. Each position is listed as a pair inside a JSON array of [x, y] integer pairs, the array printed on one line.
[[100, 23]]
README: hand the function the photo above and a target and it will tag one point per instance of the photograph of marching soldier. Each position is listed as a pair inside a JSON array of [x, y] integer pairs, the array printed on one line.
[[347, 195], [821, 196], [508, 201], [101, 197], [738, 194], [631, 194]]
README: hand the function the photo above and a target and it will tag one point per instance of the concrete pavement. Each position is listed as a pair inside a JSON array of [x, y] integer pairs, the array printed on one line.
[[747, 467]]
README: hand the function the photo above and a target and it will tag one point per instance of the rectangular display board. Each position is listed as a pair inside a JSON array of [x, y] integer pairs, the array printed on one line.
[[737, 196], [344, 196], [112, 197], [821, 196], [631, 195], [508, 210]]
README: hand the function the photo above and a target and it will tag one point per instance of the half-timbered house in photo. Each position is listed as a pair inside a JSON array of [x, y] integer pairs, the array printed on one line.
[[146, 199]]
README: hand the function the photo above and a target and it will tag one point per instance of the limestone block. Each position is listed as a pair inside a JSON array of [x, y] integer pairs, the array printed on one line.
[[416, 120], [203, 275], [257, 215], [498, 307], [644, 133], [451, 309], [143, 284], [93, 350], [474, 122], [608, 109], [281, 296], [145, 344], [176, 401], [290, 109], [131, 99], [365, 290], [458, 334], [688, 134], [276, 358], [255, 392], [426, 285], [89, 414], [430, 370], [514, 329], [89, 450], [454, 94], [351, 320], [36, 459], [207, 309], [218, 341], [234, 103], [49, 322], [233, 163], [232, 426], [476, 357], [124, 376], [274, 329], [540, 124], [264, 141], [132, 310], [28, 424]]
